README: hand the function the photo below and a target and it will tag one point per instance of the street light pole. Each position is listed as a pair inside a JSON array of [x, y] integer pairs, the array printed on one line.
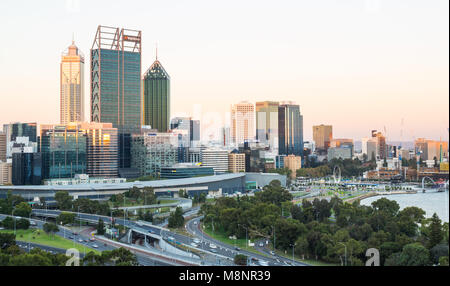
[[246, 235], [273, 230]]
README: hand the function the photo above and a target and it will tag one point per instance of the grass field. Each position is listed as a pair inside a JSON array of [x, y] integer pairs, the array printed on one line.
[[40, 237]]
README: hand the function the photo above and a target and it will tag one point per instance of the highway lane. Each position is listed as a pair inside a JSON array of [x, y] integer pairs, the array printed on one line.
[[193, 227], [83, 239]]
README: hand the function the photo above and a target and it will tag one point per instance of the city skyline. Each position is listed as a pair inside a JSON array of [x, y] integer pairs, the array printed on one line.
[[378, 78]]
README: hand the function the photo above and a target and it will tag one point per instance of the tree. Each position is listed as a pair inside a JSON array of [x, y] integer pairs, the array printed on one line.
[[22, 209], [22, 224], [414, 254], [438, 251], [65, 218], [50, 228], [443, 261], [176, 218], [63, 200], [436, 233], [100, 227], [6, 240], [240, 259]]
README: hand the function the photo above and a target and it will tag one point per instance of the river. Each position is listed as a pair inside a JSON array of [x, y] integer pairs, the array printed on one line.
[[431, 202]]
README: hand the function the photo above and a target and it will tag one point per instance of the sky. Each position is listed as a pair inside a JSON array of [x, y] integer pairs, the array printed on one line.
[[358, 65]]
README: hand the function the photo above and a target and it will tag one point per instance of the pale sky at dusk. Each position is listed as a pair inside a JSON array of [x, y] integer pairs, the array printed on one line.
[[358, 65]]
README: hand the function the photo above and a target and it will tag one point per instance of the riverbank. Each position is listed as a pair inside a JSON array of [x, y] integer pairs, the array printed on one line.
[[373, 194]]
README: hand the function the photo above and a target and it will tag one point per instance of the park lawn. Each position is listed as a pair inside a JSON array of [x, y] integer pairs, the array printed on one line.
[[48, 240]]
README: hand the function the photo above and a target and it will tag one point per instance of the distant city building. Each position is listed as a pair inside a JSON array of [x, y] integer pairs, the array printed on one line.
[[26, 169], [236, 162], [116, 84], [242, 122], [225, 136], [370, 148], [342, 143], [182, 171], [290, 129], [18, 129], [192, 128], [430, 149], [3, 147], [309, 145], [156, 86], [279, 161], [322, 135], [381, 144], [5, 173], [215, 158], [344, 152], [404, 154], [72, 85], [64, 151], [293, 163], [267, 123], [152, 151]]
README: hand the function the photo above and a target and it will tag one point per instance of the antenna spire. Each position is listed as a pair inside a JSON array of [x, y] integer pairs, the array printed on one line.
[[156, 51], [73, 38]]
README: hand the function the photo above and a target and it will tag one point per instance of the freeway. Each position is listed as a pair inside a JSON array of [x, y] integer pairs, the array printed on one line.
[[193, 227], [82, 238], [223, 253]]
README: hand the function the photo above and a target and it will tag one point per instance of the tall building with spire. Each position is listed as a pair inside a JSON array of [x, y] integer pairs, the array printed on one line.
[[156, 84], [72, 85], [116, 84]]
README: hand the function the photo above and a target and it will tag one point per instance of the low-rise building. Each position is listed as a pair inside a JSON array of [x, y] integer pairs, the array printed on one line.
[[293, 163]]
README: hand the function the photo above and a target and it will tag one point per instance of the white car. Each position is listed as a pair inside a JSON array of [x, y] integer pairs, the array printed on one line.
[[263, 263], [95, 246], [211, 245], [194, 244], [196, 240]]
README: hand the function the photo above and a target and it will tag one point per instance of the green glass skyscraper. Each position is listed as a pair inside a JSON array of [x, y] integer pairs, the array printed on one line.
[[157, 97]]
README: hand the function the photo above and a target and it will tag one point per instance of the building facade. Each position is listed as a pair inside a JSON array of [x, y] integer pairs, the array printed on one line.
[[322, 135], [116, 84], [293, 163], [156, 109], [267, 123], [216, 159], [152, 151], [3, 147], [236, 162], [290, 130], [242, 122], [72, 86], [5, 173]]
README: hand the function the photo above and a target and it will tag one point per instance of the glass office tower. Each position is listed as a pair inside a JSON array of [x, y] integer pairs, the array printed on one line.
[[63, 151], [116, 84], [290, 130], [157, 97]]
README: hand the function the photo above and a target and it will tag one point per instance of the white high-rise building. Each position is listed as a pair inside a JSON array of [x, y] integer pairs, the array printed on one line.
[[72, 86], [215, 158], [242, 122]]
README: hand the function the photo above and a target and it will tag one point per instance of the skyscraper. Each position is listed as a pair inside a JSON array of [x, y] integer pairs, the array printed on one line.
[[290, 130], [72, 85], [2, 146], [157, 97], [242, 122], [322, 135], [116, 84], [267, 123]]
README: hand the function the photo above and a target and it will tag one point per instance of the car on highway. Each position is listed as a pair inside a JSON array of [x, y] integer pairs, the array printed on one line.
[[92, 239], [33, 223], [261, 244], [195, 222], [237, 248], [213, 251], [80, 240], [272, 253], [70, 237], [95, 246], [194, 244], [212, 245], [196, 240], [151, 231]]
